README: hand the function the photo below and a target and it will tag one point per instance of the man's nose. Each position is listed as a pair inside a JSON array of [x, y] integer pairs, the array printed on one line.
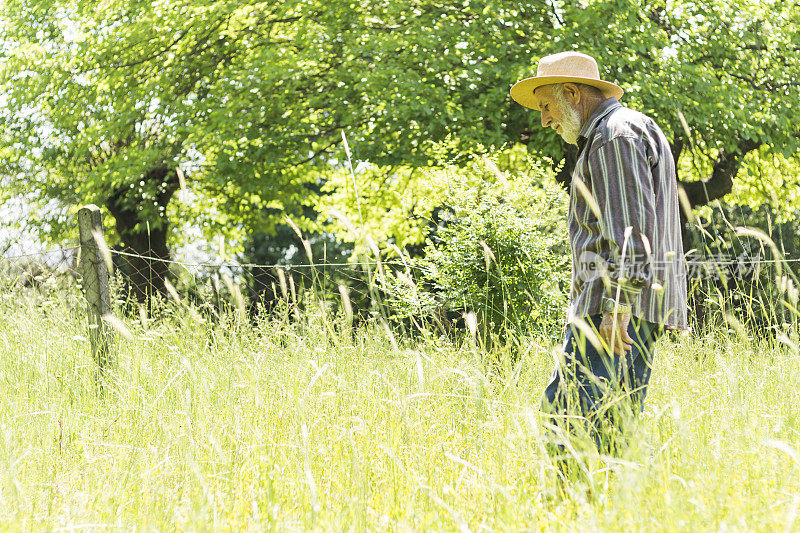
[[546, 119]]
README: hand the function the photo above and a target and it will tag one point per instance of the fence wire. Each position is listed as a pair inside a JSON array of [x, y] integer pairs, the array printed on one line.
[[250, 285], [742, 280], [40, 268]]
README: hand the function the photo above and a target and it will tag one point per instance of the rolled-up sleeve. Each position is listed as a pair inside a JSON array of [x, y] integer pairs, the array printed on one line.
[[622, 185]]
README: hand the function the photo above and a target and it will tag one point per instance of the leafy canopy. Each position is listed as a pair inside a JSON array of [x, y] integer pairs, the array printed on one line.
[[103, 100]]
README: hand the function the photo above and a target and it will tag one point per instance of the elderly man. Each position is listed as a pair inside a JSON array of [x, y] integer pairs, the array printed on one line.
[[628, 274]]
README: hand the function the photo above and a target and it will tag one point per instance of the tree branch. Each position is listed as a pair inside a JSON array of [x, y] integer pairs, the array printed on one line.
[[724, 171]]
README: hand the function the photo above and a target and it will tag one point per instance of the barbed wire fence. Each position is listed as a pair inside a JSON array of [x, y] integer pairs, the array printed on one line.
[[46, 271], [247, 287], [137, 283]]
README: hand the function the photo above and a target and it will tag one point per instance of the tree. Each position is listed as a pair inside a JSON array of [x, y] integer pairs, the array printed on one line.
[[111, 102], [719, 77], [115, 102], [105, 101]]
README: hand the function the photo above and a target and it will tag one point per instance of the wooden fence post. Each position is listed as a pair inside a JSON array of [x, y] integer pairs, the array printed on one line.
[[94, 271]]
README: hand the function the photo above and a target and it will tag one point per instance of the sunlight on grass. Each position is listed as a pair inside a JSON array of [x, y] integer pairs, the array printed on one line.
[[295, 426]]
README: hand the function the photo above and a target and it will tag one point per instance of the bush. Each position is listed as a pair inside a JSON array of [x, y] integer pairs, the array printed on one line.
[[500, 250]]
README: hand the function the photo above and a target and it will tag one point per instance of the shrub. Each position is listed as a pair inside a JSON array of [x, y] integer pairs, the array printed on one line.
[[500, 250]]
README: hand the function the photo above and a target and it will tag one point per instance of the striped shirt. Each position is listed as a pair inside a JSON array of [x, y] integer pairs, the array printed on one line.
[[623, 220]]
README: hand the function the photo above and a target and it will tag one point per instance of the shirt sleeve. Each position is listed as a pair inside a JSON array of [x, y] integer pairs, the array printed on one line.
[[622, 186]]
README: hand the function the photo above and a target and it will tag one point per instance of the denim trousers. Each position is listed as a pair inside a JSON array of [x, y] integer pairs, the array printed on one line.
[[595, 393]]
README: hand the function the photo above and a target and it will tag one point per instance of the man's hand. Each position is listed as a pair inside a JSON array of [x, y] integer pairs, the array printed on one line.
[[618, 330]]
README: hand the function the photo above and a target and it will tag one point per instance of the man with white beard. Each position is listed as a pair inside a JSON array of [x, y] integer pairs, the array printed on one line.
[[628, 274]]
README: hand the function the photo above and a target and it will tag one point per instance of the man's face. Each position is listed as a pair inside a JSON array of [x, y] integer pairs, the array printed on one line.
[[559, 113]]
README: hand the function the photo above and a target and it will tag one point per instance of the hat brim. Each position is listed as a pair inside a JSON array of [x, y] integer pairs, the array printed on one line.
[[522, 91]]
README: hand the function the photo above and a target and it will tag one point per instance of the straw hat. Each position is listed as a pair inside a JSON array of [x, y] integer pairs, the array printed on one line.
[[562, 68]]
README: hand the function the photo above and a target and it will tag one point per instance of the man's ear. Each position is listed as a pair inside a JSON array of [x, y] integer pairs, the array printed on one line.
[[572, 93]]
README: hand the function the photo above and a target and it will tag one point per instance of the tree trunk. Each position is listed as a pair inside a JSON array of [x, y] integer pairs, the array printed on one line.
[[145, 270], [717, 185], [721, 181]]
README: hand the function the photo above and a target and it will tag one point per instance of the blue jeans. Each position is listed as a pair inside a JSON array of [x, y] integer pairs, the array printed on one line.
[[596, 392]]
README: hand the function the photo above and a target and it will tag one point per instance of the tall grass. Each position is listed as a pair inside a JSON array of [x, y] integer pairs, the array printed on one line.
[[301, 425]]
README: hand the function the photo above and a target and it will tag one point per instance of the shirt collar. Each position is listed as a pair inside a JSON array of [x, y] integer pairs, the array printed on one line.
[[605, 107]]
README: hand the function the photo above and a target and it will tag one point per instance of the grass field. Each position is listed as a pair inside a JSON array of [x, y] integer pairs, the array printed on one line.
[[294, 427]]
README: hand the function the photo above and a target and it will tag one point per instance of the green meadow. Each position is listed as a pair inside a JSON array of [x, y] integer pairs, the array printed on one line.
[[301, 425]]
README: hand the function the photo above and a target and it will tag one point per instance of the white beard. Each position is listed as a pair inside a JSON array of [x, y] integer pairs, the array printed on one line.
[[570, 119]]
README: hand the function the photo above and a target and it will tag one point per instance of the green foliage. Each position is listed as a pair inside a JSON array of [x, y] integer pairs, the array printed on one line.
[[399, 203], [717, 76], [770, 183], [286, 248], [500, 250], [250, 98], [728, 66]]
